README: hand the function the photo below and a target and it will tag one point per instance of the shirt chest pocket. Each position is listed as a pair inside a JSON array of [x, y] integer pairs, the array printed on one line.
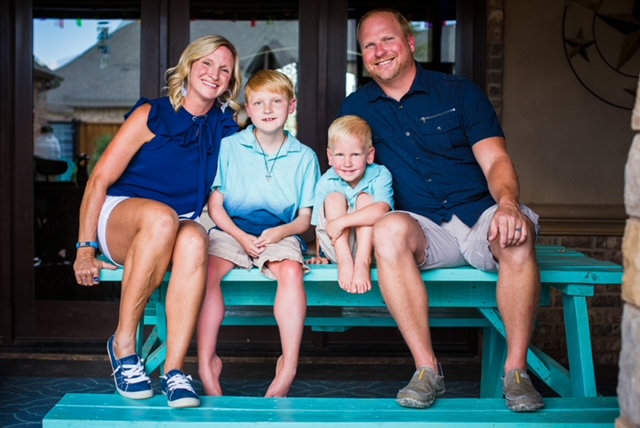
[[443, 137]]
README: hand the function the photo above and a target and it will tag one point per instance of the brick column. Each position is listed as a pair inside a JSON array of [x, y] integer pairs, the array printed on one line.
[[629, 375], [495, 53]]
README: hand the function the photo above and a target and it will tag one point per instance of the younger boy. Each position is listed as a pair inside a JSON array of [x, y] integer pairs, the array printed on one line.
[[350, 197], [262, 200]]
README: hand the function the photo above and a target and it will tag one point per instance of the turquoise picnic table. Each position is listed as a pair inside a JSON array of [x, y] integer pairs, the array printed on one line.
[[458, 297]]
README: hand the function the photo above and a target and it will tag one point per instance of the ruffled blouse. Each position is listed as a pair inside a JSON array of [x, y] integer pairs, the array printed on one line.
[[178, 165]]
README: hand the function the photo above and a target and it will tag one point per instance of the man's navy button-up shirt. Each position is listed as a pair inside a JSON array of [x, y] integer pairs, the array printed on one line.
[[425, 141]]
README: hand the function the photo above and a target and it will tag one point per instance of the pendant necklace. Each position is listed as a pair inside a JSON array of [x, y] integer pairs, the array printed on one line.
[[264, 156]]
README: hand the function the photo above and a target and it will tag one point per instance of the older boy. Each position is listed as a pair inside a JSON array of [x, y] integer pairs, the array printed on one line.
[[350, 197], [262, 200]]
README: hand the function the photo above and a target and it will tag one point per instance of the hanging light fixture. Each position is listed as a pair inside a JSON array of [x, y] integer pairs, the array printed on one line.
[[103, 47]]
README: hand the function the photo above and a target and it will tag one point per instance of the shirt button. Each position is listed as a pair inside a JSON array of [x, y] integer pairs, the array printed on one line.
[[407, 133], [428, 180], [400, 107], [444, 202], [439, 128]]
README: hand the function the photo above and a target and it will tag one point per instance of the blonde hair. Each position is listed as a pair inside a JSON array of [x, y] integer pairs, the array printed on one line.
[[400, 19], [270, 81], [350, 127], [177, 76]]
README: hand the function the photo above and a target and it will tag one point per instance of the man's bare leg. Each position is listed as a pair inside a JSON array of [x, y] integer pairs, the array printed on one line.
[[399, 245], [518, 296]]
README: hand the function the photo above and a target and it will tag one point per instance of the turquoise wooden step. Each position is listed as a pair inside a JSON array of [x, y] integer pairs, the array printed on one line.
[[112, 410]]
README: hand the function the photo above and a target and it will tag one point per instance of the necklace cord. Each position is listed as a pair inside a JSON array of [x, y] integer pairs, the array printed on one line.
[[264, 155]]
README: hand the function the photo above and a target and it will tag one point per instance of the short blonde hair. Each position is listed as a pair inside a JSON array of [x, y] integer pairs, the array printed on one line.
[[270, 81], [177, 76], [349, 127]]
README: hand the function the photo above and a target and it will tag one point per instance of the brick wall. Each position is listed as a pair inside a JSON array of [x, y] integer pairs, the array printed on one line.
[[495, 53], [605, 308]]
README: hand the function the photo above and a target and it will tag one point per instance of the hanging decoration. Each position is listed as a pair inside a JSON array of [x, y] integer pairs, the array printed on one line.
[[602, 46], [103, 47]]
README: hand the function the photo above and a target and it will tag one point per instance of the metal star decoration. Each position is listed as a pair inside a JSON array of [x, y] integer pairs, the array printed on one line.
[[579, 45], [629, 25]]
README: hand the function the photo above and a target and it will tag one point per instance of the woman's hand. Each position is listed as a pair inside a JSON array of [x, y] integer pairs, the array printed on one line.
[[87, 267]]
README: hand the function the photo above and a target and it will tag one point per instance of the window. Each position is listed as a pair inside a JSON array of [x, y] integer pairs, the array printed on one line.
[[433, 26], [86, 77], [261, 44]]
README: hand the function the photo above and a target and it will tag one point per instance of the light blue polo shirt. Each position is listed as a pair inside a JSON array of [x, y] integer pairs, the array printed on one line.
[[253, 203], [376, 182]]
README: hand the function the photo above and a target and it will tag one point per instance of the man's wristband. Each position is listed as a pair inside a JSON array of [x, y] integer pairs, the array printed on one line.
[[91, 244]]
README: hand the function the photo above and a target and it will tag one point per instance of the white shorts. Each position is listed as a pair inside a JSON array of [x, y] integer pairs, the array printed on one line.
[[109, 205]]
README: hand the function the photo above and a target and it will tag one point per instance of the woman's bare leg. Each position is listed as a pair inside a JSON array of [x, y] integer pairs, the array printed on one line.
[[141, 235], [186, 291]]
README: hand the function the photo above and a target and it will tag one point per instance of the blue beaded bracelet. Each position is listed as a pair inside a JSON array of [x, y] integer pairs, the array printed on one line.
[[92, 244]]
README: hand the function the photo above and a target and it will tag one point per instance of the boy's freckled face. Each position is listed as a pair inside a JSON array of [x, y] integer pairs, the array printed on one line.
[[269, 110], [349, 158]]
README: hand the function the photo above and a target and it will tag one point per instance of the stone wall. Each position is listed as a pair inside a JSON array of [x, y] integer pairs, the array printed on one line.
[[629, 363]]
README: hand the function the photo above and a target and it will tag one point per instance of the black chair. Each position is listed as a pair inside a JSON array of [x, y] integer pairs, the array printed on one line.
[[49, 167]]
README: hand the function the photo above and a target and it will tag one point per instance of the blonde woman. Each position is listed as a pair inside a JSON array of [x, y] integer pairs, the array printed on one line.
[[141, 208]]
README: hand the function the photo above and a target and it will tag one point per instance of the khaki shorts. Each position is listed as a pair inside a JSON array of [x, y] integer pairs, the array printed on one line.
[[456, 244], [225, 246], [325, 242]]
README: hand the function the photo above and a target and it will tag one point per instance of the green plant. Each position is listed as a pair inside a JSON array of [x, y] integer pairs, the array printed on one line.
[[101, 145]]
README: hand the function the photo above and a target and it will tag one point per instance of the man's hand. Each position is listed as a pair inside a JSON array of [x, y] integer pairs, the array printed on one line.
[[510, 225]]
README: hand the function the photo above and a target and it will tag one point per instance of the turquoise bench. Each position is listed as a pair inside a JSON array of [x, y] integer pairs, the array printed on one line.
[[459, 297], [111, 410]]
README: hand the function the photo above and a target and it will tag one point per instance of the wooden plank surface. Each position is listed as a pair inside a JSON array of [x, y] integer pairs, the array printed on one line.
[[111, 410]]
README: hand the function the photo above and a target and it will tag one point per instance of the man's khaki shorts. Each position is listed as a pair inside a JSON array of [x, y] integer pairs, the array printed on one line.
[[456, 244]]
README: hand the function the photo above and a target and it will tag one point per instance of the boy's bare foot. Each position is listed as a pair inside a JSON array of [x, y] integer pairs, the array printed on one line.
[[210, 377], [345, 276], [281, 384], [318, 261], [361, 278]]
